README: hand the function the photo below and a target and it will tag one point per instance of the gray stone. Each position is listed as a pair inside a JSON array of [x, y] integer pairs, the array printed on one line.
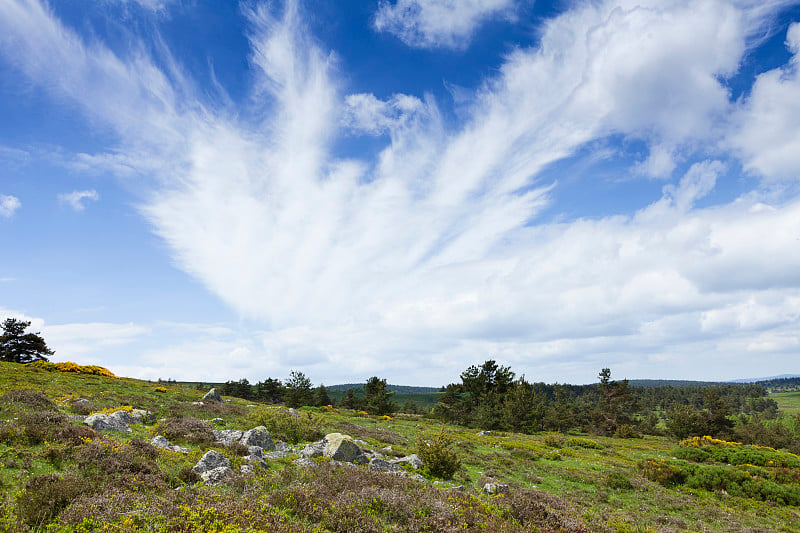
[[361, 459], [277, 455], [258, 436], [379, 465], [227, 436], [314, 449], [215, 475], [112, 422], [139, 416], [305, 462], [247, 469], [212, 467], [256, 456], [495, 488], [484, 433], [217, 421], [412, 459], [212, 396], [341, 448], [161, 442], [281, 446]]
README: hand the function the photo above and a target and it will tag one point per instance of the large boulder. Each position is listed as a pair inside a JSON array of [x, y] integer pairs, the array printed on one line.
[[342, 448], [412, 460], [228, 436], [256, 456], [212, 396], [258, 436], [159, 441], [380, 465], [314, 449], [212, 467], [117, 421]]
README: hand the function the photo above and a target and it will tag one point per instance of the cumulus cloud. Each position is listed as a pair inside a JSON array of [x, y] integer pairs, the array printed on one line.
[[767, 131], [438, 23], [76, 199], [432, 255], [8, 205]]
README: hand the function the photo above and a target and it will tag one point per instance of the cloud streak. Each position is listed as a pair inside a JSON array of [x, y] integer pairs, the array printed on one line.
[[76, 199], [432, 254], [438, 23]]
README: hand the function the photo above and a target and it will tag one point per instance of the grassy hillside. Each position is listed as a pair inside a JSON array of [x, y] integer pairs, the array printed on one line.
[[788, 402], [55, 472]]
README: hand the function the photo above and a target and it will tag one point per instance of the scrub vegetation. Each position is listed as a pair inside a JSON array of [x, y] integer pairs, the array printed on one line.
[[57, 474]]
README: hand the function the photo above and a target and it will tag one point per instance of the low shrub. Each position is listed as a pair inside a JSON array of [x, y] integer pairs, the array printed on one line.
[[617, 480], [46, 496], [554, 440], [578, 442], [440, 460], [288, 426], [39, 426], [29, 398], [663, 472], [69, 366], [386, 436], [186, 430]]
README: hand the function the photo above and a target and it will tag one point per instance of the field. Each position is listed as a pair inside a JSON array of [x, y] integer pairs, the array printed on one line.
[[56, 475], [789, 402]]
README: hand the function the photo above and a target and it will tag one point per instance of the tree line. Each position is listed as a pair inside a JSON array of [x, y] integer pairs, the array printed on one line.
[[298, 391]]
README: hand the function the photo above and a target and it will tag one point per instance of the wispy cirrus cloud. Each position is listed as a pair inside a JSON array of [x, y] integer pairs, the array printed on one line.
[[76, 199], [431, 254], [438, 23]]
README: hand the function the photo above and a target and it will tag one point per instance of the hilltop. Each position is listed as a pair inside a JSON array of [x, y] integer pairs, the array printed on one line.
[[57, 471]]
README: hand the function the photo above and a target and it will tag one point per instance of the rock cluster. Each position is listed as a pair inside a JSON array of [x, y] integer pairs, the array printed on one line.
[[116, 421], [213, 467]]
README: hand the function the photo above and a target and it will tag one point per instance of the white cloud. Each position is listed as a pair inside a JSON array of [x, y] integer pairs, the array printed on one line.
[[366, 113], [767, 125], [76, 199], [438, 23], [8, 205], [430, 256]]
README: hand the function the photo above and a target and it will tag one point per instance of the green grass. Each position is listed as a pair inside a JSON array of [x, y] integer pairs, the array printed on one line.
[[789, 402], [558, 482]]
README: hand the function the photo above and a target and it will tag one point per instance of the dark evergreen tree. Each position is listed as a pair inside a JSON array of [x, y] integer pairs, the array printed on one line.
[[321, 397], [270, 390], [350, 401], [378, 397], [298, 390], [16, 346]]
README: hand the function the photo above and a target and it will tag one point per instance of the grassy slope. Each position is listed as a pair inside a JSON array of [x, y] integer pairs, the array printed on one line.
[[789, 402], [581, 473]]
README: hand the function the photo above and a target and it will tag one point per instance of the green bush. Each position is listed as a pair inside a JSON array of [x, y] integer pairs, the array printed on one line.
[[440, 460], [617, 480], [663, 472], [292, 427]]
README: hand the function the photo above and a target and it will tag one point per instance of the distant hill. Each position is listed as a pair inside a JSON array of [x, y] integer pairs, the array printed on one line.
[[671, 383], [398, 389], [760, 380]]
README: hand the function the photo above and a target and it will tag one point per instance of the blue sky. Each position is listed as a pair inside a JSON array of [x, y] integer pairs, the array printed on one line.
[[217, 190]]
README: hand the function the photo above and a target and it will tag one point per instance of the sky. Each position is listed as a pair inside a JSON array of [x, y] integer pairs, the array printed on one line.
[[203, 190]]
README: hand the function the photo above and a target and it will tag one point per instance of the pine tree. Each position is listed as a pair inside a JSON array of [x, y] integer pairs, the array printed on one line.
[[16, 346]]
